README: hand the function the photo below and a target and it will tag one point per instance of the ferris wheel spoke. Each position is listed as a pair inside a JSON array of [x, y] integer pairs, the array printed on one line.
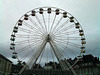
[[72, 51], [72, 32], [48, 22], [38, 46], [29, 26], [32, 51], [66, 52], [68, 63], [34, 23], [69, 43], [63, 42], [32, 60], [39, 51], [27, 52], [32, 43], [42, 27], [57, 24], [26, 36], [52, 23], [32, 27], [65, 29], [69, 33], [68, 38], [63, 51], [74, 44], [59, 50], [26, 41], [44, 22], [26, 55], [61, 57], [61, 26], [26, 30], [28, 46], [58, 54]]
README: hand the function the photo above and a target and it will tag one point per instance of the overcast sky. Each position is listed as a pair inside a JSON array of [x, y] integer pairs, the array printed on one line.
[[86, 11]]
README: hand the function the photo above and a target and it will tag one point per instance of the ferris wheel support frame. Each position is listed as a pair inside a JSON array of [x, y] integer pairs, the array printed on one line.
[[62, 64], [42, 48]]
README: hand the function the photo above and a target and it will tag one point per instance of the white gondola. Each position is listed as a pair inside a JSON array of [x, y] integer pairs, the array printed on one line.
[[13, 35], [14, 53], [12, 39], [80, 30], [83, 51], [26, 17], [77, 25], [57, 11], [82, 38], [20, 23], [83, 42], [81, 34], [12, 44], [64, 14], [12, 47], [71, 19], [15, 27], [15, 30], [82, 47], [49, 10], [33, 13], [41, 11], [14, 56]]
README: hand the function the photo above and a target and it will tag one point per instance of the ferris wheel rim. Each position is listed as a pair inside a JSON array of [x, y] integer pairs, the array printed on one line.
[[47, 7]]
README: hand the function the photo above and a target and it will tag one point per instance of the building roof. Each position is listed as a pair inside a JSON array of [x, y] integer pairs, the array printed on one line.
[[3, 57], [90, 58]]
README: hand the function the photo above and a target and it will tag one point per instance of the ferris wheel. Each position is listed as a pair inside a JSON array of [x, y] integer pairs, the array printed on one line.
[[47, 34]]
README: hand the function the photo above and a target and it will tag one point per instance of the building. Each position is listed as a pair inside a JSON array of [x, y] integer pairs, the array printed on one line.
[[88, 65], [5, 65], [16, 69], [47, 69]]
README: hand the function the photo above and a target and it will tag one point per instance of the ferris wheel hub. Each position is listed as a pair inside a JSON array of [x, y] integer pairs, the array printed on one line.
[[48, 38]]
